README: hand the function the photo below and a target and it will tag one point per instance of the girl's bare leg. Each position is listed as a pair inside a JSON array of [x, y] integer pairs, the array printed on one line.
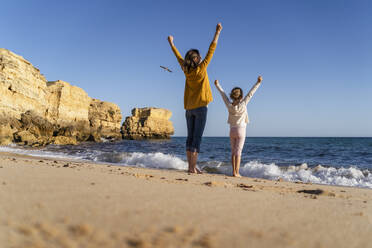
[[237, 166], [233, 163], [233, 144], [239, 148]]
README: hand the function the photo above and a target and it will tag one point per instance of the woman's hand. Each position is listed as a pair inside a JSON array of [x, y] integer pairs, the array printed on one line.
[[216, 82], [217, 34], [170, 39], [259, 79], [218, 27]]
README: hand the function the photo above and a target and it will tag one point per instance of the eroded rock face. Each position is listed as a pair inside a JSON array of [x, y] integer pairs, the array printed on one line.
[[6, 134], [67, 103], [35, 112], [148, 123], [22, 87], [106, 118]]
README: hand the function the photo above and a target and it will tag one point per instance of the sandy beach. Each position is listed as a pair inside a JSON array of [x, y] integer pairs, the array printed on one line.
[[60, 203]]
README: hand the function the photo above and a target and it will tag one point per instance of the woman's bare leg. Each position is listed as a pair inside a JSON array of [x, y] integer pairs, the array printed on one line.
[[192, 158], [188, 154]]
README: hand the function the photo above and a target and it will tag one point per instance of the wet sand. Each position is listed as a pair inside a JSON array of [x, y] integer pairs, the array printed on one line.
[[59, 203]]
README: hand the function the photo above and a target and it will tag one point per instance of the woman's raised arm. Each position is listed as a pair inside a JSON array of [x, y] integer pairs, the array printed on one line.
[[212, 47], [217, 33], [175, 51]]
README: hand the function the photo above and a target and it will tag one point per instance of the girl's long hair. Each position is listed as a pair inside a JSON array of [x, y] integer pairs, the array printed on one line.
[[234, 96], [189, 62]]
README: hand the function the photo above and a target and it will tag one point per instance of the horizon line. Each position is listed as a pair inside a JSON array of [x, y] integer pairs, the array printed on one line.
[[283, 136]]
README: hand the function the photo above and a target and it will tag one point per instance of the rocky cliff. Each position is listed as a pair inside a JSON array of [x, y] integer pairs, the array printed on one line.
[[105, 117], [36, 112], [148, 123]]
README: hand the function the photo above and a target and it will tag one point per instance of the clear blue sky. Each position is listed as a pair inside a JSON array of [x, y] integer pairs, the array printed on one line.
[[315, 57]]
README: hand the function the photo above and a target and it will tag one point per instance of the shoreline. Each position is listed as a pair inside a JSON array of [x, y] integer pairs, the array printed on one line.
[[318, 175], [53, 202], [84, 161]]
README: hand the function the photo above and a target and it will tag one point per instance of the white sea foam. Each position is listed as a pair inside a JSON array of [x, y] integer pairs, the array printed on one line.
[[322, 175], [351, 176], [35, 153], [154, 160]]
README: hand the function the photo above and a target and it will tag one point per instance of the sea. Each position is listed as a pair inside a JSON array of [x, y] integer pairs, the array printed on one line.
[[332, 161]]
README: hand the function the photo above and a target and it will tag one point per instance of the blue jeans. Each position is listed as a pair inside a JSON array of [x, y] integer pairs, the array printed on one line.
[[195, 119]]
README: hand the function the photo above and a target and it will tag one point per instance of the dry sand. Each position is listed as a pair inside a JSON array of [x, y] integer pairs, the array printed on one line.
[[58, 203]]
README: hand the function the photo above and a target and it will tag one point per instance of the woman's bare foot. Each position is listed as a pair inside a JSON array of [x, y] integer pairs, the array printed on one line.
[[237, 175], [198, 171]]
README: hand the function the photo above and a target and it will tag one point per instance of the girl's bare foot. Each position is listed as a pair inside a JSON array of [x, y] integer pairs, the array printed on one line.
[[195, 171]]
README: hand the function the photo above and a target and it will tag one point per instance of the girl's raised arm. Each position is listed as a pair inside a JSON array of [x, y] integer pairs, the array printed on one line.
[[175, 51], [248, 97], [212, 47], [223, 94]]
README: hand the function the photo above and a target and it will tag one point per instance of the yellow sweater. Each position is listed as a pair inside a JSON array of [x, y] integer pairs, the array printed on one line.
[[197, 88]]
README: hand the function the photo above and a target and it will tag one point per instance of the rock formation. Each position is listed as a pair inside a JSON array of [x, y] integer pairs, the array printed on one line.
[[36, 112], [148, 123], [106, 118]]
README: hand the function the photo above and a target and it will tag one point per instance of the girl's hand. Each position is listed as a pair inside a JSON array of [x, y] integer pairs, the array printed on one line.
[[219, 27], [216, 82], [259, 79], [170, 39]]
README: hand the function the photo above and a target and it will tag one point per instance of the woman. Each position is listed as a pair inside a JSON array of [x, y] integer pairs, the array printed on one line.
[[238, 120], [197, 95]]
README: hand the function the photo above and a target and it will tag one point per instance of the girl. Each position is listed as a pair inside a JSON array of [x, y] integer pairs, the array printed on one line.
[[238, 119], [197, 95]]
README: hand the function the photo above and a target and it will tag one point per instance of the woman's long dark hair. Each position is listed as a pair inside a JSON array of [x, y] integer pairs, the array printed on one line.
[[189, 62]]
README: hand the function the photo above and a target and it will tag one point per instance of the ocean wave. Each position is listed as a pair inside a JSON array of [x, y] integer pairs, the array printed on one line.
[[35, 152], [156, 160], [350, 176]]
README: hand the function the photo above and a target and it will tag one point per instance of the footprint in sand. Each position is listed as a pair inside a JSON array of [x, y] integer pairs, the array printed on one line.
[[216, 184], [316, 192], [182, 179], [244, 186]]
